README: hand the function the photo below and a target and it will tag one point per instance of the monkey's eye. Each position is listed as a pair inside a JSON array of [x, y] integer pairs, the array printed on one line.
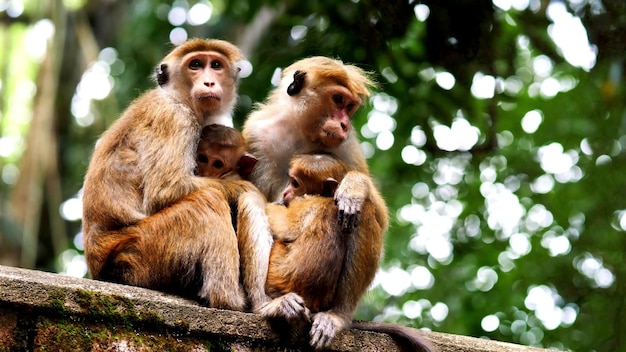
[[218, 164], [349, 107], [295, 183], [195, 64], [216, 65], [203, 159], [338, 99]]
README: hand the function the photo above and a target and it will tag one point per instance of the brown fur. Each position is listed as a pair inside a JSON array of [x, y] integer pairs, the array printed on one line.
[[147, 220], [286, 125], [309, 112], [221, 154], [310, 249]]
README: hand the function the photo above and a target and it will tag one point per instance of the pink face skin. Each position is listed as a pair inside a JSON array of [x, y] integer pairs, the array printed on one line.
[[211, 81], [335, 129]]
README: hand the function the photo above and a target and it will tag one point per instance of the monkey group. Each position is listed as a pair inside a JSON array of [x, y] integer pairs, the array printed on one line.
[[282, 219]]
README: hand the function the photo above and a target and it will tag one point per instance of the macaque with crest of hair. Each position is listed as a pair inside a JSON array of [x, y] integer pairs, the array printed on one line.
[[310, 111], [147, 219]]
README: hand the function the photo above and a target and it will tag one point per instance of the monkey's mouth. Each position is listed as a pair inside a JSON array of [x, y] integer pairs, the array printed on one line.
[[209, 96], [334, 136]]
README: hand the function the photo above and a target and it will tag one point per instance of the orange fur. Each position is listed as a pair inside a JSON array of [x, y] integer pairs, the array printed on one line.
[[326, 250], [147, 220]]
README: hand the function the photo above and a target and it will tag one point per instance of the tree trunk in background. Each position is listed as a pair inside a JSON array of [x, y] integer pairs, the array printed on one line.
[[39, 183]]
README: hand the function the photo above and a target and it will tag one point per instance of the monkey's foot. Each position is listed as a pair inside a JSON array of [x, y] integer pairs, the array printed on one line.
[[322, 331], [259, 302], [224, 300], [290, 306]]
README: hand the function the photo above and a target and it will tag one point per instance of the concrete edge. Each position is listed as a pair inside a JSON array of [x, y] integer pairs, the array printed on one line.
[[48, 292]]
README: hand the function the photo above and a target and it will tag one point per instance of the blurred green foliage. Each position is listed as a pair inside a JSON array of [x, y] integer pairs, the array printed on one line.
[[524, 227]]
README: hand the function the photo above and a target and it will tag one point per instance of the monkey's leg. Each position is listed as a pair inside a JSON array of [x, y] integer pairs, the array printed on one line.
[[190, 240], [255, 244]]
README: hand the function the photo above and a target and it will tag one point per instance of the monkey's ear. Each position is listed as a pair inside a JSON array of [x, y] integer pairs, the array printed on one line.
[[298, 82], [162, 76], [329, 186], [245, 165]]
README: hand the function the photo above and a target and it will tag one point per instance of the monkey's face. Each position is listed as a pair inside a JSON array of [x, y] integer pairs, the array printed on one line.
[[216, 161], [211, 79], [294, 189], [338, 105], [202, 74]]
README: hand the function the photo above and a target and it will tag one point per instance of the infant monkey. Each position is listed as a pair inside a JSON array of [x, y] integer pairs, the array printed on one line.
[[315, 265], [221, 154], [303, 225]]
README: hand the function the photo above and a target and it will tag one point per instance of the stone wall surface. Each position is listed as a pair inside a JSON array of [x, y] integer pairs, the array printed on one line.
[[41, 311]]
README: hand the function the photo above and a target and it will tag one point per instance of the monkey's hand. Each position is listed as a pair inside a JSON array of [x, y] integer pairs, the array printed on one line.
[[325, 326], [290, 307], [349, 197]]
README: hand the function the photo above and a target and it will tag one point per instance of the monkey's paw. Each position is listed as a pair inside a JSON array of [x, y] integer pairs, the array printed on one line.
[[349, 212], [323, 331], [290, 306]]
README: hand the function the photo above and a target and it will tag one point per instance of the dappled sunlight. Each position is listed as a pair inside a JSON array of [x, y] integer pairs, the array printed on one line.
[[570, 36], [445, 80], [483, 86], [546, 303], [421, 12], [562, 164], [12, 8], [503, 208], [531, 121], [394, 280], [96, 83], [485, 280], [490, 323], [38, 37], [180, 13], [593, 269], [72, 263], [380, 123], [461, 135], [72, 209]]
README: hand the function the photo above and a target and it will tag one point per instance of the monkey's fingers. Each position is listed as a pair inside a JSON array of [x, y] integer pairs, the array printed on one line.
[[294, 308], [290, 306], [349, 210], [348, 222], [322, 331]]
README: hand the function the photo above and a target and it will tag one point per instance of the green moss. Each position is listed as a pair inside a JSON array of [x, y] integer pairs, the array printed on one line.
[[102, 320], [152, 319], [62, 336], [82, 336], [56, 301], [112, 310], [218, 345]]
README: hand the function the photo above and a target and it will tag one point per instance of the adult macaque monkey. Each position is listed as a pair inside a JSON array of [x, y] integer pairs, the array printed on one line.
[[221, 154], [308, 112], [147, 219], [315, 264]]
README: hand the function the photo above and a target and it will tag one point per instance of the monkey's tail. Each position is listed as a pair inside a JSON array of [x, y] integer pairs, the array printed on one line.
[[409, 339]]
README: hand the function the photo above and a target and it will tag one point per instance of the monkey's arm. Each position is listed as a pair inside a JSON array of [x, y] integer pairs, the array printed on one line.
[[166, 150], [280, 222]]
